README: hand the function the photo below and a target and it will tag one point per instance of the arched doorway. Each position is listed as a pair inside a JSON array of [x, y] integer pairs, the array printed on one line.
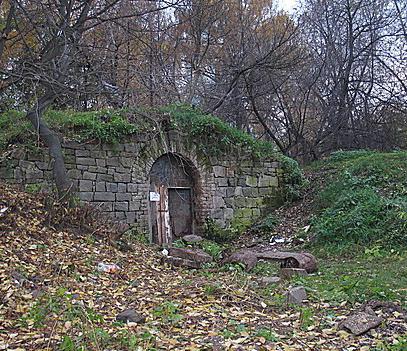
[[172, 198]]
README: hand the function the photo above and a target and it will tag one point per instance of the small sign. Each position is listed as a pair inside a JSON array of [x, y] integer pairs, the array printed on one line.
[[154, 196]]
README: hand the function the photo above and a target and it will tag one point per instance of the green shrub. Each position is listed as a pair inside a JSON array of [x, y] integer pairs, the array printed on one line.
[[213, 231], [365, 201]]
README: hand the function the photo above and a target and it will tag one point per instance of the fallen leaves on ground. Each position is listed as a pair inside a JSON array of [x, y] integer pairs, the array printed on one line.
[[53, 297]]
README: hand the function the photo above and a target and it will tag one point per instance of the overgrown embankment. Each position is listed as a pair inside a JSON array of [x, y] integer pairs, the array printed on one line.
[[362, 202]]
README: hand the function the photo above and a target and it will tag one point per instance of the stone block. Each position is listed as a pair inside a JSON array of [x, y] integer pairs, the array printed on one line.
[[122, 178], [121, 206], [268, 181], [130, 217], [126, 162], [132, 188], [123, 197], [251, 181], [250, 192], [230, 201], [219, 171], [189, 254], [181, 262], [98, 154], [218, 202], [264, 281], [100, 186], [43, 166], [112, 161], [134, 205], [104, 178], [74, 174], [265, 191], [104, 206], [241, 201], [112, 187], [120, 215], [296, 295], [100, 162], [233, 181], [89, 176], [96, 169], [104, 196], [221, 182], [82, 153], [130, 147], [121, 187], [228, 213], [86, 161], [85, 185], [86, 195]]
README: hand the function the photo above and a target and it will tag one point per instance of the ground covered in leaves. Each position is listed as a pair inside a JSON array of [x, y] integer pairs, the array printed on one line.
[[53, 297]]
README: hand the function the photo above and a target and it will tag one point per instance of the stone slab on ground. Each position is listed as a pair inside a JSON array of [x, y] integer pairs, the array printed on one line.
[[130, 315], [192, 238], [190, 254], [296, 295], [249, 258], [181, 262], [361, 322], [264, 281]]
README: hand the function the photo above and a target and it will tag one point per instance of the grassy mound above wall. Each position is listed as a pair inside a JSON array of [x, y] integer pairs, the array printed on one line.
[[210, 135]]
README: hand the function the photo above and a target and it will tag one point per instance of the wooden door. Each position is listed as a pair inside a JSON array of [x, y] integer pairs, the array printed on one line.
[[180, 210]]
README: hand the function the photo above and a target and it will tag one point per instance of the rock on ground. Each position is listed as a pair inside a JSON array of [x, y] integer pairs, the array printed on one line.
[[296, 295], [130, 315], [360, 322]]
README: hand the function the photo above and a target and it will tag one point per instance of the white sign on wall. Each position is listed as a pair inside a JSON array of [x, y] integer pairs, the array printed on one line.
[[154, 196]]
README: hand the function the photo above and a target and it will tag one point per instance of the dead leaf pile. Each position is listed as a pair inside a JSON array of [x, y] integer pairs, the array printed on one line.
[[54, 297]]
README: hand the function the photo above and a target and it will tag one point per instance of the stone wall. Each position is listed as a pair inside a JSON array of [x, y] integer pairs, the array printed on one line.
[[115, 178]]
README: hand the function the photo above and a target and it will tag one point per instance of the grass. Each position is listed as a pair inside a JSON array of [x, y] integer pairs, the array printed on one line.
[[364, 202], [359, 279]]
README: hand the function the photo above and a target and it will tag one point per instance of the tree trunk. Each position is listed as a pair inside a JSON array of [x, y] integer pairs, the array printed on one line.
[[51, 140]]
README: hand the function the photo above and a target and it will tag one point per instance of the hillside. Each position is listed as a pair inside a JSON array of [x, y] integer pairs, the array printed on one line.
[[352, 217]]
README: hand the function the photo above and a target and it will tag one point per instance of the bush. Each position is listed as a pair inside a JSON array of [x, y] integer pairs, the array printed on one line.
[[213, 231], [365, 202]]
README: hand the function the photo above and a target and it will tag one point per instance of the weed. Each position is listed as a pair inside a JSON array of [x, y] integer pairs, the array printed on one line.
[[213, 231], [168, 312], [267, 334], [306, 317], [33, 188], [211, 248], [211, 289]]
